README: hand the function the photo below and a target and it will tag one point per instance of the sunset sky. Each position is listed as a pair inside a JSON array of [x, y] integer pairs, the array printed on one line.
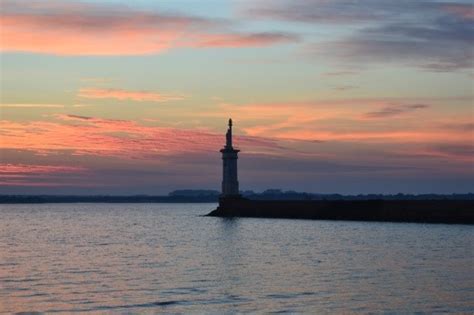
[[330, 96]]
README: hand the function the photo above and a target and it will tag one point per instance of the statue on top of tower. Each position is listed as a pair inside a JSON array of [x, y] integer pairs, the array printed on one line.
[[228, 135]]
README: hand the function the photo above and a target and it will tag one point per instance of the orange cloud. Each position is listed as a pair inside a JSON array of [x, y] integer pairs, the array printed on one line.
[[81, 28], [401, 136], [243, 40], [341, 120], [121, 94], [20, 105]]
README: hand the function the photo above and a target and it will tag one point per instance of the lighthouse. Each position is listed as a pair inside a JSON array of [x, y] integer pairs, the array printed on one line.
[[230, 184]]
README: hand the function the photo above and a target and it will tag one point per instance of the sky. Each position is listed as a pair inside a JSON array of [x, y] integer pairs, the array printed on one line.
[[133, 97]]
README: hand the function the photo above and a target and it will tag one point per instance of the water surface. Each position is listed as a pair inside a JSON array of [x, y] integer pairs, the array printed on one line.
[[149, 258]]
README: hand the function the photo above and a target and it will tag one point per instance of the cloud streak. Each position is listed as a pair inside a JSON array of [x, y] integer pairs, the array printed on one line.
[[318, 11], [122, 95], [244, 40], [31, 105], [394, 111], [18, 174], [15, 170]]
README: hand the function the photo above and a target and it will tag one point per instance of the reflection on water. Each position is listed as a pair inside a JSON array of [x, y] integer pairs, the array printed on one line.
[[146, 258]]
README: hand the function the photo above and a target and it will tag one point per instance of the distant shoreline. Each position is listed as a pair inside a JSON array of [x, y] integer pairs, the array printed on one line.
[[214, 198], [105, 199]]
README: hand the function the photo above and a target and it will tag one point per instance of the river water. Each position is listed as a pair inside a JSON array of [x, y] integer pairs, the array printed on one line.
[[150, 258]]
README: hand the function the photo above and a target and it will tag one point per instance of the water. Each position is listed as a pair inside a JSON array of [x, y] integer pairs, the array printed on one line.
[[149, 258]]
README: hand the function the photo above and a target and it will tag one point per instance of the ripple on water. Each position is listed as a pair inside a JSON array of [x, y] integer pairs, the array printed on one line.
[[161, 304]]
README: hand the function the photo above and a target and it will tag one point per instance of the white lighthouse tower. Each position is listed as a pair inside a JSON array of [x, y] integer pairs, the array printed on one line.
[[230, 184]]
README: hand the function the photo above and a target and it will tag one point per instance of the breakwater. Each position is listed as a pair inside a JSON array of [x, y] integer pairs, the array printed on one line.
[[427, 211]]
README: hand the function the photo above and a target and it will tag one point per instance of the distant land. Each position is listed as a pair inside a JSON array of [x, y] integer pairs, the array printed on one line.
[[203, 196]]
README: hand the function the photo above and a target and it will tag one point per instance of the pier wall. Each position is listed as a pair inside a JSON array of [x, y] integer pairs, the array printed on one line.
[[429, 211]]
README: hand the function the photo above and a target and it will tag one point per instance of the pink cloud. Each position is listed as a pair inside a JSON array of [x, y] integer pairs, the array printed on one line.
[[81, 135], [128, 153], [92, 29], [121, 94], [40, 35]]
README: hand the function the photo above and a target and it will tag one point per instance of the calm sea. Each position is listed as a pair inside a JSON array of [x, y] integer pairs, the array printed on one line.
[[150, 258]]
